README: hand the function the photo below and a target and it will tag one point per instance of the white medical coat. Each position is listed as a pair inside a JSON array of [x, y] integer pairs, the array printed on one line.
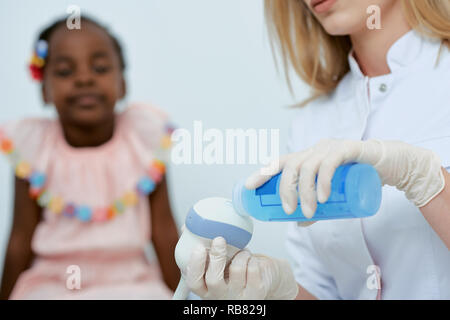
[[337, 259]]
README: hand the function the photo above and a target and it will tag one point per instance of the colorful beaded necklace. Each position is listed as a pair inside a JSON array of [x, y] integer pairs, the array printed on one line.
[[57, 205]]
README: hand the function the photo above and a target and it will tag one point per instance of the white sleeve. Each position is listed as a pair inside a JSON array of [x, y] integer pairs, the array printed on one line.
[[309, 270]]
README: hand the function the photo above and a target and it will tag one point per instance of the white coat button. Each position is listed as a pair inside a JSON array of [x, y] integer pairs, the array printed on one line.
[[383, 87]]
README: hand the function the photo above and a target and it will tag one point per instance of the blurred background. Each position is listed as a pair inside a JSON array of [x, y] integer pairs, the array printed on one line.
[[206, 60]]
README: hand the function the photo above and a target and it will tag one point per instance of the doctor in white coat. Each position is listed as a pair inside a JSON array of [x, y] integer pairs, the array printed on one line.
[[381, 95]]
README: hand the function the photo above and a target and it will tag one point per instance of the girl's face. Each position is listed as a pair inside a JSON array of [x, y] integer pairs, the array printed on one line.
[[347, 17], [83, 77]]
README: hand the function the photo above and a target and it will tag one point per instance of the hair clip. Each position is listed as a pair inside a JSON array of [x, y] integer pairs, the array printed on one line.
[[38, 60]]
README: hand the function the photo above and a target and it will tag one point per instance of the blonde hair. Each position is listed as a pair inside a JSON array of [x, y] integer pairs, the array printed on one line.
[[319, 58]]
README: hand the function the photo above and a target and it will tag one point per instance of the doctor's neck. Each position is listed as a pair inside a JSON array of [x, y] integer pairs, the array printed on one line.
[[370, 47]]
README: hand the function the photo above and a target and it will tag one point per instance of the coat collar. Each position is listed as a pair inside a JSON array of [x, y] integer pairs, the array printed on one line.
[[410, 49]]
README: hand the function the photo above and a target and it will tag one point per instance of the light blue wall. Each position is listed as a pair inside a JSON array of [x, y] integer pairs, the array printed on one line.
[[207, 60]]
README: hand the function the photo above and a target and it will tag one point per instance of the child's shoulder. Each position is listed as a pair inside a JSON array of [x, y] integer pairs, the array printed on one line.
[[144, 113], [149, 123], [25, 142], [27, 123], [25, 132]]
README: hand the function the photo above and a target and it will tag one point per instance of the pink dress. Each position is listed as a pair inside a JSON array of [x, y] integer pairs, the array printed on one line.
[[96, 214]]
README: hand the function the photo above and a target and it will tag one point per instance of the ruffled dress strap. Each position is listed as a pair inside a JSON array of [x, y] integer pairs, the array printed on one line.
[[23, 143]]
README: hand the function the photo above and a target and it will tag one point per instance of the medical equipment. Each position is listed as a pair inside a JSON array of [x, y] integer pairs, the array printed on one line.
[[207, 219], [355, 193]]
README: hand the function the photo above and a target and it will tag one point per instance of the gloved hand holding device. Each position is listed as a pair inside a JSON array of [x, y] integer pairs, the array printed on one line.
[[245, 277]]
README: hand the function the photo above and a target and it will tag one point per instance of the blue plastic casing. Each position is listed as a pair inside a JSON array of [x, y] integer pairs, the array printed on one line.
[[211, 229]]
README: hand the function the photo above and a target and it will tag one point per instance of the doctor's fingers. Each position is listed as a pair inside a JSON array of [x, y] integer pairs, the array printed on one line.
[[195, 271], [264, 174], [215, 273], [238, 273], [258, 284], [325, 175], [338, 153], [329, 152], [307, 184], [289, 181]]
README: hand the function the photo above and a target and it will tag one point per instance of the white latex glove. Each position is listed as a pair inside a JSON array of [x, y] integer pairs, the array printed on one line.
[[414, 170], [246, 277]]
